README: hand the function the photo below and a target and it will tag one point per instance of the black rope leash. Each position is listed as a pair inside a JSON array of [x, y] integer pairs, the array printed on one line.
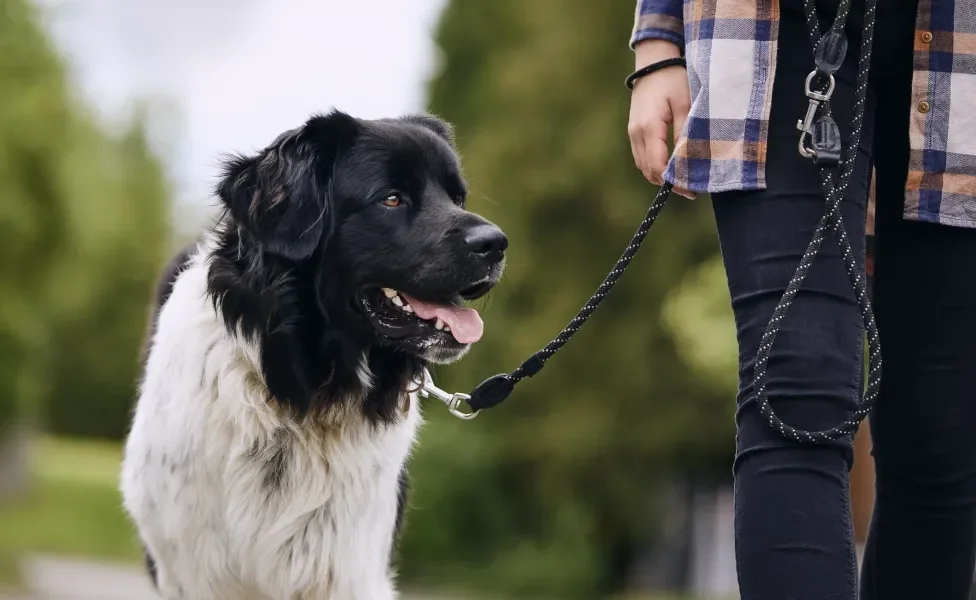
[[820, 140], [497, 388], [829, 52]]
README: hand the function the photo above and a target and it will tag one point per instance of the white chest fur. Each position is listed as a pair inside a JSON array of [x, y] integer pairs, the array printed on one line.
[[232, 499]]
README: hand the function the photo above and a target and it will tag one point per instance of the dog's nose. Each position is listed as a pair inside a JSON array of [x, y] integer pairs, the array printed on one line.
[[486, 241]]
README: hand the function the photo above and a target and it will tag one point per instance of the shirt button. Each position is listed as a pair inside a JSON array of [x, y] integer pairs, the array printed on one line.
[[926, 37], [923, 107]]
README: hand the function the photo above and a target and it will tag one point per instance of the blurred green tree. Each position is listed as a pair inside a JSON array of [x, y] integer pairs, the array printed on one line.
[[119, 229], [33, 112], [83, 229], [551, 495]]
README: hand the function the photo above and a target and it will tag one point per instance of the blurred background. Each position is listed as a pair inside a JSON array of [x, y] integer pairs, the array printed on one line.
[[609, 476]]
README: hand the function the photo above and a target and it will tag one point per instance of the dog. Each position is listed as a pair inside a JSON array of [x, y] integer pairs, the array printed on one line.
[[277, 408]]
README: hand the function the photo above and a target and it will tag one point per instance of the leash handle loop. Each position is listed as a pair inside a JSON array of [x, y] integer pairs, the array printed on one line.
[[834, 193]]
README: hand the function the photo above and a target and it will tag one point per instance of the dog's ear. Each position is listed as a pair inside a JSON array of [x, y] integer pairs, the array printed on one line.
[[280, 196], [440, 127]]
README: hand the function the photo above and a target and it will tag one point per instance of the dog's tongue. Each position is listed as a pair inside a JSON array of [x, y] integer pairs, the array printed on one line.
[[465, 323]]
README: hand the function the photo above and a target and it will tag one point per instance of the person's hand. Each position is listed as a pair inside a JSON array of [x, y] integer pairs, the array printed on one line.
[[660, 99]]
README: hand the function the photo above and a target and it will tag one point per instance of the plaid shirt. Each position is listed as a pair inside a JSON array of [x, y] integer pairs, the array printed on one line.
[[730, 42]]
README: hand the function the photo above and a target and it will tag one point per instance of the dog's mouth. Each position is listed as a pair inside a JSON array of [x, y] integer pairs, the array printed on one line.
[[398, 316]]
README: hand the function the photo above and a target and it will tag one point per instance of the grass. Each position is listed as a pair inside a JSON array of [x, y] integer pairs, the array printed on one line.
[[74, 507]]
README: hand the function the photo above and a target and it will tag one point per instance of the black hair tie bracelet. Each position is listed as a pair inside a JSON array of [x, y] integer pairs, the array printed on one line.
[[661, 64]]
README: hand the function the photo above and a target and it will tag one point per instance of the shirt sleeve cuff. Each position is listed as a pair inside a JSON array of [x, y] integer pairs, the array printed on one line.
[[652, 33], [660, 20]]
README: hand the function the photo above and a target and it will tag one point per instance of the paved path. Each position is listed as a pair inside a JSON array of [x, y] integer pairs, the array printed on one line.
[[62, 579], [66, 579]]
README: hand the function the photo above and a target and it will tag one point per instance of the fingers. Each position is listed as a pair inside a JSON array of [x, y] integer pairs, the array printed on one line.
[[652, 110], [642, 158], [656, 152], [639, 149], [649, 145]]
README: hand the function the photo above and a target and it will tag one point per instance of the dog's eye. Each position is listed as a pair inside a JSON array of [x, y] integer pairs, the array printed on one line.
[[393, 200]]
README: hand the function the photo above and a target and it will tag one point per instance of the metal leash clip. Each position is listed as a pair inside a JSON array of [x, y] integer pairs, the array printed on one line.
[[806, 125], [452, 401], [825, 145]]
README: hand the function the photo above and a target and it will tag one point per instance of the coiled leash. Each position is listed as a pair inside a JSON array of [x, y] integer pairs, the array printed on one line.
[[820, 140]]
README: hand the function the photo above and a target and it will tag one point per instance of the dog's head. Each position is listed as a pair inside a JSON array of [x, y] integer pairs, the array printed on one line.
[[348, 238]]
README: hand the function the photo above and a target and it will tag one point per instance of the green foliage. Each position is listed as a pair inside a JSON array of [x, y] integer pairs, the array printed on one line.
[[100, 329], [83, 224], [75, 508], [547, 496], [698, 314], [551, 494], [31, 228]]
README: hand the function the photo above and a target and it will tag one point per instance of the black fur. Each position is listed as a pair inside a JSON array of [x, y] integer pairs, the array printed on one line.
[[151, 568], [164, 287], [276, 466], [305, 231]]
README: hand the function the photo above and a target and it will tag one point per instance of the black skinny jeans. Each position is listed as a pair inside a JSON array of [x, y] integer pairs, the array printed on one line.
[[794, 539]]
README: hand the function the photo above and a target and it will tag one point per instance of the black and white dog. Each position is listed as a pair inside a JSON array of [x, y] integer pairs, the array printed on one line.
[[267, 453]]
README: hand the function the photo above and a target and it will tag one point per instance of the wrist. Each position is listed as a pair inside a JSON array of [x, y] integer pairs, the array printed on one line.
[[652, 68], [653, 50]]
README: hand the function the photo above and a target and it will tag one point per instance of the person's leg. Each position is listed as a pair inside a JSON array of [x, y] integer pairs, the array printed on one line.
[[793, 530], [923, 530]]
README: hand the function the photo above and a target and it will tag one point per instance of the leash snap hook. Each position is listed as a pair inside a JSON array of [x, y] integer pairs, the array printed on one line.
[[453, 401], [805, 125]]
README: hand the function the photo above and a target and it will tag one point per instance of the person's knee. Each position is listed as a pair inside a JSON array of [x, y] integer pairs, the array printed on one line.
[[762, 451], [812, 384]]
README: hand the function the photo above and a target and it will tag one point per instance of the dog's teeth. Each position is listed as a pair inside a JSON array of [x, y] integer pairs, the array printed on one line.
[[407, 308], [447, 328], [438, 325], [388, 292], [397, 300]]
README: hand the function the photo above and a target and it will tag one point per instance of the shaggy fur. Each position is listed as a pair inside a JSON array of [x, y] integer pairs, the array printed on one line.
[[267, 452]]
